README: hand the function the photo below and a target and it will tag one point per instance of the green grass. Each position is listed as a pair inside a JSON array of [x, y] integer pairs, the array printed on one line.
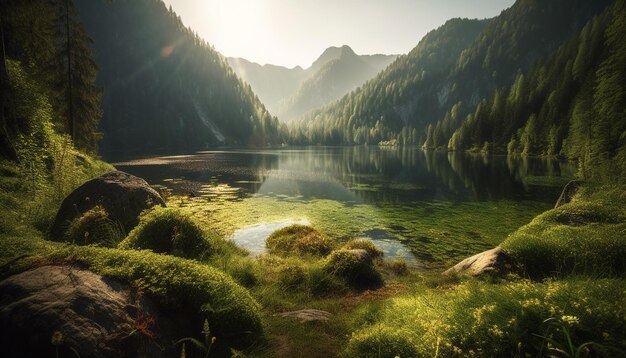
[[94, 227], [299, 240], [484, 319], [586, 236]]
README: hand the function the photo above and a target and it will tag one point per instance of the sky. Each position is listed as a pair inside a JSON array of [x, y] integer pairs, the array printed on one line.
[[296, 32]]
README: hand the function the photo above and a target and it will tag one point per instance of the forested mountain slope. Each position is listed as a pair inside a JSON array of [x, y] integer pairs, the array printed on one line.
[[288, 93], [458, 64], [164, 87]]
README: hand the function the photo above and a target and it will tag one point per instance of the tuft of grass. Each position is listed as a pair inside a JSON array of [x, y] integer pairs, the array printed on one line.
[[355, 266], [366, 245], [94, 227], [299, 240], [478, 318], [168, 230], [585, 236]]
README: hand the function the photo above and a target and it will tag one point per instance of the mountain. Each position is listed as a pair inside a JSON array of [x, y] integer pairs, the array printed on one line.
[[292, 92], [451, 70], [164, 87]]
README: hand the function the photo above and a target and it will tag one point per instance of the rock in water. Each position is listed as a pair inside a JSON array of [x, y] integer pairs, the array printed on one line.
[[62, 308], [492, 262], [568, 193], [123, 196]]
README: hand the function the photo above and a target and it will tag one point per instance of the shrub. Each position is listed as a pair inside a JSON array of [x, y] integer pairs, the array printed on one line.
[[94, 227], [168, 230], [381, 342], [356, 266], [366, 245], [300, 240]]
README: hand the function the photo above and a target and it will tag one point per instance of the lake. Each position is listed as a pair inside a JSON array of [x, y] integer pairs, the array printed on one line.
[[427, 208]]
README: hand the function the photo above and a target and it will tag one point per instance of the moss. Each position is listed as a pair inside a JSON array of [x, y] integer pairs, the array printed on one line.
[[366, 245], [300, 240], [94, 227], [179, 284], [356, 266], [167, 230], [585, 236]]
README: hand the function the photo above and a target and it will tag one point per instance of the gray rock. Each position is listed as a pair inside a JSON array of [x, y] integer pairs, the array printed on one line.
[[308, 315], [568, 193], [491, 262], [123, 196], [92, 316]]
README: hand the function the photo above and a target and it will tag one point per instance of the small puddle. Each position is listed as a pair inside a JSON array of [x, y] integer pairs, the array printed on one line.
[[252, 238]]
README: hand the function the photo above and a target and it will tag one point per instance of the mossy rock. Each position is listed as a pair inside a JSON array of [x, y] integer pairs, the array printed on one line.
[[366, 245], [356, 266], [94, 227], [300, 240], [169, 231], [181, 285]]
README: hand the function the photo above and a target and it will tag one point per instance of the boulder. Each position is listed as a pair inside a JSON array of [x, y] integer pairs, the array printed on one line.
[[60, 310], [568, 193], [122, 195], [491, 262]]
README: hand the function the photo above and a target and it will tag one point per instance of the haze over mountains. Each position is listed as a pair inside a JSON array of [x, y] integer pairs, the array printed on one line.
[[291, 92]]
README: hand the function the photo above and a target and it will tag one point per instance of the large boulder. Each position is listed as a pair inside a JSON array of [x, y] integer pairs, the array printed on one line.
[[62, 309], [568, 193], [122, 195], [492, 262]]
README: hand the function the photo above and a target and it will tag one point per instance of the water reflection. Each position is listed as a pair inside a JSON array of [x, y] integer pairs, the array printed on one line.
[[355, 174]]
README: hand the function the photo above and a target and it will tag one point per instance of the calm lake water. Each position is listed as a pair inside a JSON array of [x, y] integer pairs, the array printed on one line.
[[352, 176]]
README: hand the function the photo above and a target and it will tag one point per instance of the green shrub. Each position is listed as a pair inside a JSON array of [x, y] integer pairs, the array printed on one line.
[[479, 318], [356, 266], [366, 245], [167, 230], [178, 284], [585, 236], [299, 240], [94, 227], [381, 342]]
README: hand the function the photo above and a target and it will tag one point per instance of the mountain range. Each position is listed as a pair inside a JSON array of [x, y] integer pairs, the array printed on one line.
[[291, 92]]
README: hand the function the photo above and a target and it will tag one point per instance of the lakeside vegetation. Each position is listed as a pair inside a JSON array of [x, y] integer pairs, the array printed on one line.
[[565, 296]]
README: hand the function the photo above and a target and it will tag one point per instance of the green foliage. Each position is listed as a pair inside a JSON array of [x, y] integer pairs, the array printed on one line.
[[383, 342], [298, 240], [584, 236], [356, 266], [167, 230], [292, 277], [180, 284], [484, 319], [94, 227]]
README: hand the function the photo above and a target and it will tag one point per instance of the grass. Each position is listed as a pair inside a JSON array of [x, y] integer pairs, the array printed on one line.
[[94, 227], [586, 236], [298, 240], [483, 319]]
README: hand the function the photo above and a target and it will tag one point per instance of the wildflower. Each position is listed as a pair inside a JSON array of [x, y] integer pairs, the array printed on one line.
[[571, 320]]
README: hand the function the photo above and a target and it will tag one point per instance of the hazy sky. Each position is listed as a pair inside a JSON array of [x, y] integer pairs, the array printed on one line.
[[295, 32]]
